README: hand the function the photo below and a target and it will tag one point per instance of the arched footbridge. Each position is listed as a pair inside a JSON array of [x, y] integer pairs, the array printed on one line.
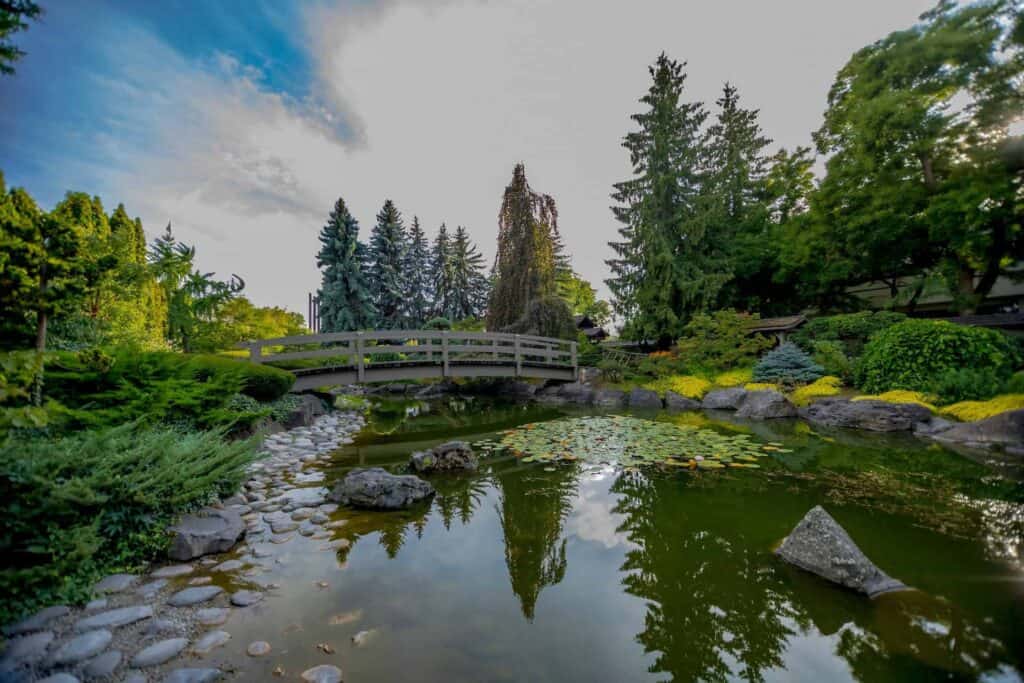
[[388, 355]]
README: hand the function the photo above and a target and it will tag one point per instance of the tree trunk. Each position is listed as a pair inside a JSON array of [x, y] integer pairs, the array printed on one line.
[[966, 301], [993, 262], [929, 172]]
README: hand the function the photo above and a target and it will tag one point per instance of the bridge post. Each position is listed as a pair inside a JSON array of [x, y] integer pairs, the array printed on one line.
[[444, 353], [575, 365], [255, 349], [360, 360], [519, 357]]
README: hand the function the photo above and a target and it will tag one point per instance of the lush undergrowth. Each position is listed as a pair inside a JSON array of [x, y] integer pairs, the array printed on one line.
[[80, 506]]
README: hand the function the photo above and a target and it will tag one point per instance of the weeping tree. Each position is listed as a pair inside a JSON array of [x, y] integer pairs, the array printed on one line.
[[528, 258], [344, 297]]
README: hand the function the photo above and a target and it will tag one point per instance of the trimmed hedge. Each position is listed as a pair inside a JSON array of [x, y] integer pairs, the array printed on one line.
[[913, 354], [851, 330]]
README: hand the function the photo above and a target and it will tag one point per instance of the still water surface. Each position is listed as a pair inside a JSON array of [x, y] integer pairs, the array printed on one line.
[[598, 573]]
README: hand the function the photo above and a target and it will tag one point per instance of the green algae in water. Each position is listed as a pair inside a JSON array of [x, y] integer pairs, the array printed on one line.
[[622, 440]]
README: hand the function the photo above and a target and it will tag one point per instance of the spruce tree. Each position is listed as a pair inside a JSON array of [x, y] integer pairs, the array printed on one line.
[[417, 269], [442, 301], [528, 260], [666, 266], [387, 276], [469, 284], [344, 298]]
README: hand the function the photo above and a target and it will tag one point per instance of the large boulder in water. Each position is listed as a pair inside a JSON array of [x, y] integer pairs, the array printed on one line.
[[644, 399], [1005, 429], [454, 456], [377, 489], [875, 416], [206, 532], [725, 399], [819, 545], [679, 403], [765, 405]]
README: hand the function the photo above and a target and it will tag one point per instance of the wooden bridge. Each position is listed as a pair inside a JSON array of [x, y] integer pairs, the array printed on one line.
[[387, 355]]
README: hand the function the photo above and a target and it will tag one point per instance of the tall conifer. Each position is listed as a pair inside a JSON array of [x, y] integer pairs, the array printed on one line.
[[344, 298], [387, 276], [469, 288], [419, 288], [441, 275]]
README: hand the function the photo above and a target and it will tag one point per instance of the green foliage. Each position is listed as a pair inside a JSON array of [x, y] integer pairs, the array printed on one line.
[[720, 341], [831, 356], [239, 320], [345, 301], [913, 354], [470, 325], [666, 364], [527, 263], [262, 382], [386, 277], [588, 354], [1015, 385], [438, 324], [612, 370], [582, 299], [469, 284], [787, 364], [953, 385], [18, 372], [14, 17], [81, 506], [419, 290], [851, 330], [549, 317]]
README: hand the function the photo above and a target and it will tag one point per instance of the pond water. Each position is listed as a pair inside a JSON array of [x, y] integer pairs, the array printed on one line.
[[603, 571]]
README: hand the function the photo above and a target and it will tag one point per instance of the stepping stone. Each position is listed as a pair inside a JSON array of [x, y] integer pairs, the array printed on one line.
[[319, 518], [284, 538], [283, 527], [98, 603], [303, 513], [200, 581], [194, 596], [258, 648], [260, 552], [173, 570], [39, 620], [210, 641], [83, 647], [136, 677], [148, 590], [229, 566], [115, 617], [213, 616], [245, 598], [27, 649], [59, 678], [102, 666], [158, 626], [158, 653], [193, 676], [115, 583], [325, 673]]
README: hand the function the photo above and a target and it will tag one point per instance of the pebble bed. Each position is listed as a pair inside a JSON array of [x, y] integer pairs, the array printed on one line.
[[160, 626]]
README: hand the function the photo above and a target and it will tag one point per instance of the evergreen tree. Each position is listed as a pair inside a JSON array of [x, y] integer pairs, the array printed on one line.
[[417, 269], [469, 284], [344, 298], [14, 16], [527, 260], [667, 266], [441, 275], [387, 276]]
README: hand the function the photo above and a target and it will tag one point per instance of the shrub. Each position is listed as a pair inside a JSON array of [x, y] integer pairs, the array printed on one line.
[[970, 411], [612, 370], [787, 364], [720, 341], [1015, 385], [762, 386], [262, 382], [966, 384], [588, 354], [684, 385], [912, 354], [547, 317], [734, 378], [438, 324], [851, 330], [833, 359], [662, 364], [901, 396], [86, 505], [18, 371], [829, 385]]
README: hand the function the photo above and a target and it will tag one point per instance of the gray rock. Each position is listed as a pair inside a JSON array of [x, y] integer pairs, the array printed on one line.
[[59, 678], [229, 566], [284, 527], [121, 616], [644, 398], [194, 596], [24, 650], [209, 531], [83, 646], [1005, 429], [193, 676], [307, 411], [38, 621], [258, 648], [158, 653], [875, 416], [573, 392], [103, 666], [765, 405], [148, 590], [213, 616], [325, 673], [448, 457], [98, 603], [172, 570], [437, 389], [115, 583], [516, 389], [819, 545], [135, 677], [678, 403], [308, 497], [609, 398], [211, 641], [244, 598], [158, 626], [934, 426], [374, 488], [724, 399]]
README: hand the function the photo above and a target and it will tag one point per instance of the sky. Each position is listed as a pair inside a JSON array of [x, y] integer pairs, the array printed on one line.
[[241, 122]]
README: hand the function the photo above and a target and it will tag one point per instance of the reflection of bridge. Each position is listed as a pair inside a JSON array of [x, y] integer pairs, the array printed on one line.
[[387, 355]]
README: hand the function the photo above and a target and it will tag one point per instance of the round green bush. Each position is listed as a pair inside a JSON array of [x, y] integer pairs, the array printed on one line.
[[261, 382], [913, 354]]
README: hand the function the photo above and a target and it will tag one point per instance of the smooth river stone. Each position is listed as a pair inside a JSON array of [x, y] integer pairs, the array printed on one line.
[[258, 648], [83, 647], [244, 598], [171, 571], [213, 616], [115, 583], [27, 649], [229, 566], [283, 527], [115, 617], [103, 665], [158, 653], [193, 676], [93, 605], [59, 678], [211, 640], [325, 673], [194, 596], [148, 590], [39, 620]]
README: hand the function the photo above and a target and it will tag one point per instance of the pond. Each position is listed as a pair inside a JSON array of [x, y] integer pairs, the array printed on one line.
[[603, 569]]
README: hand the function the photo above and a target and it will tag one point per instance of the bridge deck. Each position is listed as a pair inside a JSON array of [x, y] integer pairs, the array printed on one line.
[[389, 355]]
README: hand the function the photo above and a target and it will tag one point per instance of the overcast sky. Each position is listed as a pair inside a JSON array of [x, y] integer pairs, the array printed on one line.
[[242, 122]]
